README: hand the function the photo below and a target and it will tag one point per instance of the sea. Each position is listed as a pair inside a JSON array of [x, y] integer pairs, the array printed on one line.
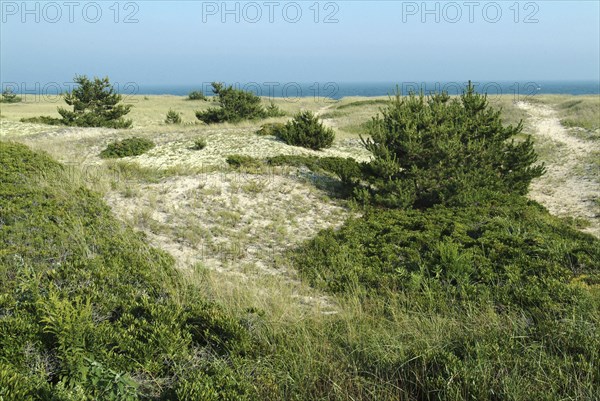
[[520, 90], [338, 90]]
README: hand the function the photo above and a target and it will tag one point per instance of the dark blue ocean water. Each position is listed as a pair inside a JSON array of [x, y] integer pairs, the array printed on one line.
[[335, 90]]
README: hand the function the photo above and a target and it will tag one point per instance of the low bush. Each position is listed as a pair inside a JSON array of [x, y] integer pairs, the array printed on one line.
[[196, 95], [43, 120], [307, 131], [348, 170], [243, 161], [199, 144], [457, 302], [507, 249], [173, 117], [127, 147], [274, 111], [8, 96], [270, 129], [235, 105]]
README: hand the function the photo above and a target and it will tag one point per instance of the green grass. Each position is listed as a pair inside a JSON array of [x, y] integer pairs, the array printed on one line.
[[584, 113], [362, 103], [574, 111]]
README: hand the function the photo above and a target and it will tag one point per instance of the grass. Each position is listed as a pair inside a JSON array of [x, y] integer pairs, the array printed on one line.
[[575, 112]]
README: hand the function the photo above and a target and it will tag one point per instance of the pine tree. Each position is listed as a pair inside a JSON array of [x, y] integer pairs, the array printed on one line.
[[431, 150], [8, 96], [236, 105], [306, 130], [95, 104]]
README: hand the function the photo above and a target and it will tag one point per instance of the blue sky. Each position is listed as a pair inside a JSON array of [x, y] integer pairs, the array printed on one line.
[[181, 42]]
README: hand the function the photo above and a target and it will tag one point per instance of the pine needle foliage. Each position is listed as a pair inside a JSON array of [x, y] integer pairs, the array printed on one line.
[[95, 104], [429, 149]]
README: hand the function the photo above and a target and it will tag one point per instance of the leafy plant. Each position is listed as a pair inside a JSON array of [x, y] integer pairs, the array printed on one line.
[[427, 150], [307, 131], [95, 104], [173, 117], [235, 105], [127, 147]]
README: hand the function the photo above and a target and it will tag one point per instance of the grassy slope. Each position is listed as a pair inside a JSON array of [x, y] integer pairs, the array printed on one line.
[[580, 111], [86, 304]]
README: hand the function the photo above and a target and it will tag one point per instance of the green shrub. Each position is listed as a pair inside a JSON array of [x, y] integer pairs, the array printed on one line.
[[235, 105], [196, 95], [199, 144], [348, 170], [173, 117], [307, 131], [95, 104], [89, 310], [8, 96], [127, 147], [244, 161], [270, 129], [428, 149], [274, 111], [456, 301], [43, 120], [507, 249]]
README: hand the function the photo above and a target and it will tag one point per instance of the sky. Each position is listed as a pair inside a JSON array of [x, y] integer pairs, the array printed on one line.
[[182, 42]]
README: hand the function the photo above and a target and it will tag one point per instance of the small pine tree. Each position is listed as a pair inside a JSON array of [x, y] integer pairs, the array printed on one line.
[[95, 104], [199, 144], [274, 111], [430, 150], [173, 117], [196, 95], [235, 105], [306, 130], [8, 96]]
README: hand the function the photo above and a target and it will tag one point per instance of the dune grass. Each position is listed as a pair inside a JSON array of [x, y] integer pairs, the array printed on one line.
[[575, 111]]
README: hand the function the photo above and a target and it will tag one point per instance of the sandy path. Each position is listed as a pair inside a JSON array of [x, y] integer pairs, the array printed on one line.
[[564, 190], [328, 122]]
